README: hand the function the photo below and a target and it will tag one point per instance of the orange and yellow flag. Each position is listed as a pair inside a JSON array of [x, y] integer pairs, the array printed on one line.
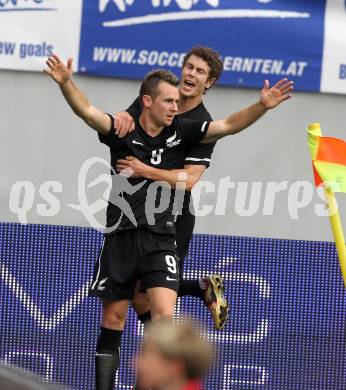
[[329, 163], [328, 159]]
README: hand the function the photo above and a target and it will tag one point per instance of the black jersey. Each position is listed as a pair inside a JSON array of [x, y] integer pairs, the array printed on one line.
[[137, 203], [197, 154]]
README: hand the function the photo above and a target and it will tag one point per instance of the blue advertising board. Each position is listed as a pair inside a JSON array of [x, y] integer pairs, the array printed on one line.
[[258, 39], [287, 318]]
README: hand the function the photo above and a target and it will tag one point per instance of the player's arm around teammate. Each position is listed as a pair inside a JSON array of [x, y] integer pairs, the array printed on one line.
[[185, 177]]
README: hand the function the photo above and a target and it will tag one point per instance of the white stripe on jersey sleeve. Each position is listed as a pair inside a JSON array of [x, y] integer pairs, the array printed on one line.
[[197, 159], [203, 126]]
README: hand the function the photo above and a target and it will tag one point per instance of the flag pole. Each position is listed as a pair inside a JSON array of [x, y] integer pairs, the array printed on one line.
[[338, 233], [315, 133]]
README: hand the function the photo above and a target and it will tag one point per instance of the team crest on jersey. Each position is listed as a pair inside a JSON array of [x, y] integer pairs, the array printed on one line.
[[172, 141]]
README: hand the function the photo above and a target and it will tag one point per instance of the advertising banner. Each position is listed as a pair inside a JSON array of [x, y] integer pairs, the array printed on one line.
[[31, 30], [286, 327], [257, 39], [334, 55]]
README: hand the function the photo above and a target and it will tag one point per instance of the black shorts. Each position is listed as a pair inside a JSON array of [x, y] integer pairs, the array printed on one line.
[[135, 255], [184, 226]]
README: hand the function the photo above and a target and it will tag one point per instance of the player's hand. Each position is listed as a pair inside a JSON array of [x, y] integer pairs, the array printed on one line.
[[58, 71], [272, 97], [123, 124], [131, 163]]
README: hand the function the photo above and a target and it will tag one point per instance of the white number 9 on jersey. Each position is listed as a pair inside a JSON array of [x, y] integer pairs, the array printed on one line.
[[156, 156]]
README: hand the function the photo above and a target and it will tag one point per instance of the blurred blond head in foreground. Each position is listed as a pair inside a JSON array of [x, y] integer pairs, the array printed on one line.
[[174, 357]]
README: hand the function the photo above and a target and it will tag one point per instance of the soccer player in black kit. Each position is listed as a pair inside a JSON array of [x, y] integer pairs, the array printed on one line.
[[202, 67], [139, 241]]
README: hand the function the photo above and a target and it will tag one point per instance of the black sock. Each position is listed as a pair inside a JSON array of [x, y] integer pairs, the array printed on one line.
[[145, 319], [190, 287], [107, 358]]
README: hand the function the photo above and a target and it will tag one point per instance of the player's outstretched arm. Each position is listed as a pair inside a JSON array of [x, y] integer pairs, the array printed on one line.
[[62, 75], [269, 98]]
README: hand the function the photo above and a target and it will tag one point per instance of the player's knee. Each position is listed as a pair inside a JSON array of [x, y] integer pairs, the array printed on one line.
[[140, 304], [162, 313], [113, 319]]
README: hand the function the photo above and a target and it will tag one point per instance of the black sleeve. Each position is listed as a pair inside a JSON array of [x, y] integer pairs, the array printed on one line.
[[110, 139], [135, 109], [199, 154], [193, 131]]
